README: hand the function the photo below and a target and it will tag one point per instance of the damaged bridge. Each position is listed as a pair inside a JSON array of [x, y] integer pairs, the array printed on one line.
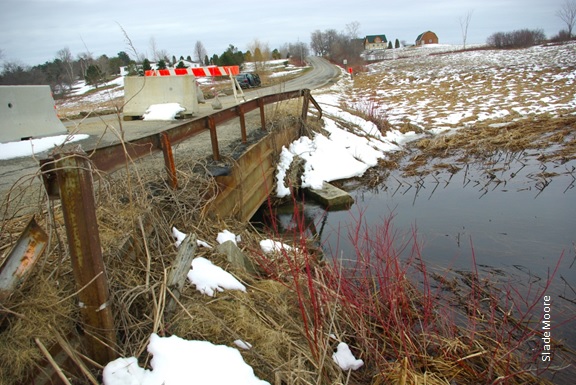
[[241, 191]]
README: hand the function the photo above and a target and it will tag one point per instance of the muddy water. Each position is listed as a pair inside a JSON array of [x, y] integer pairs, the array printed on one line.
[[515, 214]]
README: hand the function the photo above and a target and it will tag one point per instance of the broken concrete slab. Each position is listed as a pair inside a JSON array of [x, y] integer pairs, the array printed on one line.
[[331, 197]]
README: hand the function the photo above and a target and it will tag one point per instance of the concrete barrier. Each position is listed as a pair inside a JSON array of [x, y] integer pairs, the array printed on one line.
[[141, 92], [28, 111]]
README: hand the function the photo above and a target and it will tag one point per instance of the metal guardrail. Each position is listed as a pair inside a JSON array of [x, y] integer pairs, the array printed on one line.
[[111, 158]]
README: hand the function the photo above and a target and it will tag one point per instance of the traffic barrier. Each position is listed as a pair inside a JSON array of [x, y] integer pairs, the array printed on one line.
[[196, 71], [28, 112], [140, 92]]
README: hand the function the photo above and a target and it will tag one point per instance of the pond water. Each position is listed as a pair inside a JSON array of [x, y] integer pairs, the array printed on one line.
[[515, 215]]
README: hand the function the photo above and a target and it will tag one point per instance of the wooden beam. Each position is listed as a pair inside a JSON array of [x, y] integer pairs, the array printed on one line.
[[179, 271]]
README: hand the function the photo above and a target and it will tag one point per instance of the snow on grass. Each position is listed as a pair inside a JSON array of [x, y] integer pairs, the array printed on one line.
[[176, 361], [269, 246], [286, 73], [345, 359], [203, 274], [462, 88], [209, 278]]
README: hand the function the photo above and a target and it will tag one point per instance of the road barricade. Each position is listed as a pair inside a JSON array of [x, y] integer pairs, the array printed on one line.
[[28, 112], [140, 92]]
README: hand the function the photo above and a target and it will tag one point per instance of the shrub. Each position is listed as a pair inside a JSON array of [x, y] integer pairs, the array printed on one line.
[[563, 35], [516, 39]]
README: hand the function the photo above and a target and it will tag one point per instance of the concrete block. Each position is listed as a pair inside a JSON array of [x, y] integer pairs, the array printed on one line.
[[28, 112], [331, 197], [140, 92]]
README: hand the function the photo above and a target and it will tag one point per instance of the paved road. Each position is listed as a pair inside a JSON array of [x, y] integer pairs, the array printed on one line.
[[19, 176], [104, 130]]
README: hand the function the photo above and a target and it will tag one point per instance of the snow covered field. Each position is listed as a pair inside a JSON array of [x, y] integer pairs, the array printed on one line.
[[442, 91]]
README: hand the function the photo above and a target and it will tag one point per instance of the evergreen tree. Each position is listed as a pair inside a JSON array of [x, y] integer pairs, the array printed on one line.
[[181, 65], [93, 76], [397, 44], [123, 56], [161, 64], [389, 45], [146, 65]]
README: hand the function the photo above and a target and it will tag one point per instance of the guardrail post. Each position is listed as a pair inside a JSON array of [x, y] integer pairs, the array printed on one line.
[[213, 138], [74, 177], [169, 160], [305, 104], [240, 111], [262, 115]]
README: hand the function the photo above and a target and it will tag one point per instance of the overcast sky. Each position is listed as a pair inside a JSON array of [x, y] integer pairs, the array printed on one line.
[[32, 31]]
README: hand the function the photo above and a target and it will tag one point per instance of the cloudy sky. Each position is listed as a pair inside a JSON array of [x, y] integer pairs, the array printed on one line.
[[32, 31]]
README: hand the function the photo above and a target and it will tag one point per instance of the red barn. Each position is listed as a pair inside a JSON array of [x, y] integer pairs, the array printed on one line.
[[427, 37]]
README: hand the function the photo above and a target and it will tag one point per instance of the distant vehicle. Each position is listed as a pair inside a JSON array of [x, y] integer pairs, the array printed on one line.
[[248, 80]]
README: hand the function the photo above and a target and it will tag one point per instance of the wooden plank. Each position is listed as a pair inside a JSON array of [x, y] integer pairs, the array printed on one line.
[[179, 271]]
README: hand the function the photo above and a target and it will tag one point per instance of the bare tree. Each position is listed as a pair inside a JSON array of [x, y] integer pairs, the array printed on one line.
[[464, 24], [85, 59], [199, 51], [567, 13], [260, 53], [158, 54], [317, 43], [353, 29], [67, 60]]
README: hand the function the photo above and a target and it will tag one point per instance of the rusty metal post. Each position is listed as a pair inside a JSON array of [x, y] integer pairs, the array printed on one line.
[[262, 115], [169, 160], [74, 177], [305, 104], [213, 138], [240, 111]]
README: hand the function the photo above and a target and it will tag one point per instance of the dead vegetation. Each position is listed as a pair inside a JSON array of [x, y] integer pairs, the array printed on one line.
[[543, 137]]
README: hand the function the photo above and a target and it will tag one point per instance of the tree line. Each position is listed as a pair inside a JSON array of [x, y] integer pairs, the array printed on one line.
[[62, 72], [65, 69]]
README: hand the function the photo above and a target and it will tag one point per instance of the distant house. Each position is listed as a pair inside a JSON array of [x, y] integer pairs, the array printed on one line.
[[427, 37], [372, 42]]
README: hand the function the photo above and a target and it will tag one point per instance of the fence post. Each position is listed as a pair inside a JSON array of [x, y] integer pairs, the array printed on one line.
[[74, 176]]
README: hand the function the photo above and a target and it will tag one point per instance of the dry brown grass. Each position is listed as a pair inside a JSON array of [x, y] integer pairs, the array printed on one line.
[[547, 137], [136, 211]]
